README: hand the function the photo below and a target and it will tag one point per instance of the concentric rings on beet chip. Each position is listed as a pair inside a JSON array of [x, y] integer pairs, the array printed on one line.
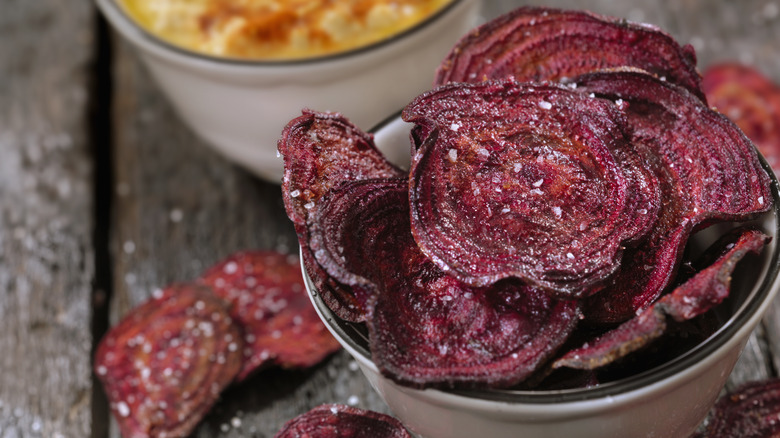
[[268, 300], [701, 293], [751, 100], [427, 329], [749, 411], [166, 362], [340, 421], [321, 150], [708, 171], [534, 44], [534, 181]]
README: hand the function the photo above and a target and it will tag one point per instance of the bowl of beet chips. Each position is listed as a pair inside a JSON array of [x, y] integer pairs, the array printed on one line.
[[580, 245]]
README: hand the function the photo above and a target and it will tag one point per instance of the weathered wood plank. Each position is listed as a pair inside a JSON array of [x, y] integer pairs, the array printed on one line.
[[46, 256]]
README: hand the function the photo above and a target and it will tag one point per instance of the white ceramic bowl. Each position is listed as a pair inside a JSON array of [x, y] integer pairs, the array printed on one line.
[[240, 107], [667, 401]]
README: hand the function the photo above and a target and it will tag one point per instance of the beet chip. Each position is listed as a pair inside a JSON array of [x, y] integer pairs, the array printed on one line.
[[534, 181], [751, 100], [750, 411], [164, 365], [339, 421], [708, 171], [321, 150], [533, 44], [696, 296], [268, 300], [427, 328]]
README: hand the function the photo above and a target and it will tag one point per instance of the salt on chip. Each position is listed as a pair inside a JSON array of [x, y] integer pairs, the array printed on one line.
[[537, 182], [166, 362], [708, 171], [267, 298]]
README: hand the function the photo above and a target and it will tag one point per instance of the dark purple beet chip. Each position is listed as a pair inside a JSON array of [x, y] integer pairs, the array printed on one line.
[[699, 294], [348, 234], [340, 421], [321, 150], [750, 411], [708, 172], [268, 300], [164, 365], [544, 44], [534, 181]]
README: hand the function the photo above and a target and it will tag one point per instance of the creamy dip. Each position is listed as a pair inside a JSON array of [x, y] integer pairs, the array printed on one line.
[[277, 29]]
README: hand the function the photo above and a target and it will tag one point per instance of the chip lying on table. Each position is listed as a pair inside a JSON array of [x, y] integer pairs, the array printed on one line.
[[558, 169]]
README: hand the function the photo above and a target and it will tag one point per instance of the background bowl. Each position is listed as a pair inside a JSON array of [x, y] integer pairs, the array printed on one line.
[[241, 106], [667, 401]]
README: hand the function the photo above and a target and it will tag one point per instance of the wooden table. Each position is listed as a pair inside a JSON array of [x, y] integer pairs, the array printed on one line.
[[106, 196]]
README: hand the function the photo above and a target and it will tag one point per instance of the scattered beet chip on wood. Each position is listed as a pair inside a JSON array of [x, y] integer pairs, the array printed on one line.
[[699, 294], [708, 171], [750, 411], [340, 421], [268, 300], [321, 150], [751, 100], [166, 362], [534, 181], [533, 44]]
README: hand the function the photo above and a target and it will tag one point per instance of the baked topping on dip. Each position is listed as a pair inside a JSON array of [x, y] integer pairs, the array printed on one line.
[[277, 29]]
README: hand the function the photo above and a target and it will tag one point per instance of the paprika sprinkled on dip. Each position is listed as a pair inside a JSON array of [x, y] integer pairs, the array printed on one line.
[[277, 29]]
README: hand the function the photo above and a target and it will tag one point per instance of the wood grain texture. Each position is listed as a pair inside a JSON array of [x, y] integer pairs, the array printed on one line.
[[45, 219]]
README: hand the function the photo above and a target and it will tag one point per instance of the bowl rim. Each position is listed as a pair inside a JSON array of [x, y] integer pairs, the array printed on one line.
[[751, 308], [122, 20]]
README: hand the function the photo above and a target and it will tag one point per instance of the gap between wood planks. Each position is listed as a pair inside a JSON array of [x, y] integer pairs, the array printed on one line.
[[101, 143]]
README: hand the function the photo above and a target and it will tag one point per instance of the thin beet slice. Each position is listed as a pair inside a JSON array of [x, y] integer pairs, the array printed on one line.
[[535, 181], [164, 365], [751, 100], [268, 300], [348, 233], [749, 411], [699, 294], [427, 328], [321, 150], [544, 44], [708, 171], [340, 421]]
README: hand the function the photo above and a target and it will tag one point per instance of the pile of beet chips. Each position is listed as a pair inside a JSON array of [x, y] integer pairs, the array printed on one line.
[[558, 167]]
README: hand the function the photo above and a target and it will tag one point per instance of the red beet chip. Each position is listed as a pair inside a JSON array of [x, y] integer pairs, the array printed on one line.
[[321, 150], [699, 294], [534, 181], [538, 44], [164, 365], [348, 234], [708, 171], [427, 329], [751, 100], [339, 421], [750, 411], [268, 300]]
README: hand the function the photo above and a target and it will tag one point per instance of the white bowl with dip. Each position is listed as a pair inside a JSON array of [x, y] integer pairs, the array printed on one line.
[[240, 106], [667, 400]]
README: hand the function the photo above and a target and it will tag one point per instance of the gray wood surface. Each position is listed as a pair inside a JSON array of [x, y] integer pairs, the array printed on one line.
[[176, 207], [46, 255]]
